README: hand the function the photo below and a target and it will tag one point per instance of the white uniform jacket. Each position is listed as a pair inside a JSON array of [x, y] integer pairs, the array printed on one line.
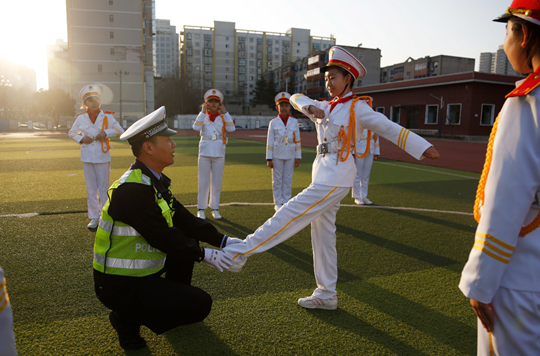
[[93, 152], [211, 144], [283, 142], [500, 258], [361, 144], [325, 170]]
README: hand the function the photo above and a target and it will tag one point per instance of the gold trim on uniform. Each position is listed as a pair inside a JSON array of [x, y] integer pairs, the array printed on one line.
[[492, 247], [293, 103], [402, 139], [3, 295], [270, 148], [229, 123], [298, 148], [199, 123]]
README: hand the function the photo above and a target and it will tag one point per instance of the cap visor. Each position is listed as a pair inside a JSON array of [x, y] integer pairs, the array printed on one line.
[[166, 132], [502, 18]]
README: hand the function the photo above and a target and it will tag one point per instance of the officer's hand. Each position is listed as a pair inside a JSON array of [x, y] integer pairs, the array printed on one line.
[[296, 162], [223, 108], [101, 136], [431, 153], [217, 259], [316, 112], [87, 140], [233, 240], [204, 108], [485, 313], [270, 163], [375, 157]]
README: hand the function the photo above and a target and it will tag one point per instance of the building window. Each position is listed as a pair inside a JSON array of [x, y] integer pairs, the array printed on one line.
[[453, 114], [197, 36], [111, 34], [110, 2], [432, 114], [100, 68], [226, 53], [241, 39], [189, 68], [112, 51], [188, 35], [251, 40], [208, 37], [394, 114], [197, 44], [226, 69], [111, 18], [488, 113], [380, 109], [189, 51]]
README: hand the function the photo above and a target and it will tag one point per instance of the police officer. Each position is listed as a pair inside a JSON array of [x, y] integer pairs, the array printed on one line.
[[92, 130], [283, 149], [145, 232]]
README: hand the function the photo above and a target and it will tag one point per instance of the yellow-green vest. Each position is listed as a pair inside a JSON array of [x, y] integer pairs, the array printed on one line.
[[119, 249]]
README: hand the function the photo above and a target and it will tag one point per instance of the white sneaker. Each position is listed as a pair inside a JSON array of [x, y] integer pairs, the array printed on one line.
[[93, 224], [367, 201], [313, 302], [237, 264], [215, 214], [200, 214], [358, 201]]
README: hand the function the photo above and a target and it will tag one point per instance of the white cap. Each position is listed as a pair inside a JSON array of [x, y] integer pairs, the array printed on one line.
[[90, 90], [282, 97], [151, 125], [342, 58], [213, 94]]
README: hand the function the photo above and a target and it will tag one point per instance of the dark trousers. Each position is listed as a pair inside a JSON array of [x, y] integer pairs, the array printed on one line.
[[160, 304]]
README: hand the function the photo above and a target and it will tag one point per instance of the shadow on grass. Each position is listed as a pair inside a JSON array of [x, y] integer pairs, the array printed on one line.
[[346, 321], [197, 339], [430, 219]]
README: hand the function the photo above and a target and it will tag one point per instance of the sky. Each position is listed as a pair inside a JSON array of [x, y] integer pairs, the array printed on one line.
[[401, 29]]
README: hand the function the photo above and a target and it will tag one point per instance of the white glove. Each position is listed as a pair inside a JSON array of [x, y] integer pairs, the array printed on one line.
[[233, 240], [217, 259]]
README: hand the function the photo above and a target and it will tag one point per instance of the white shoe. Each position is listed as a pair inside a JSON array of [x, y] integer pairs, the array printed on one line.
[[359, 201], [313, 302], [237, 264], [93, 224], [367, 201], [215, 214], [200, 214]]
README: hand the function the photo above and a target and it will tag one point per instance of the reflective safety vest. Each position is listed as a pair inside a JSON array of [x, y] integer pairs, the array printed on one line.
[[119, 249]]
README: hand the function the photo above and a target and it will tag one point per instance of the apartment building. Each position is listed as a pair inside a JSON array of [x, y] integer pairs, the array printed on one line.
[[232, 59], [426, 67], [110, 44], [15, 75], [166, 55], [58, 66], [497, 63]]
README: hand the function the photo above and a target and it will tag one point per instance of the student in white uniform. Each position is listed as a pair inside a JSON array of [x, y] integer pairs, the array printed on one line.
[[92, 130], [7, 337], [213, 122], [363, 165], [338, 123], [283, 150], [502, 275]]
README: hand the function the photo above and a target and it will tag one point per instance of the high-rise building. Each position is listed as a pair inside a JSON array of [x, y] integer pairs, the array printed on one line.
[[232, 60], [16, 75], [426, 67], [110, 44], [166, 55], [496, 62], [58, 66]]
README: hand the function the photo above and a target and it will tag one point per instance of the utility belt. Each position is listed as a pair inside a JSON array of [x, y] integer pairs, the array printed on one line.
[[328, 147], [213, 137], [284, 139], [363, 138]]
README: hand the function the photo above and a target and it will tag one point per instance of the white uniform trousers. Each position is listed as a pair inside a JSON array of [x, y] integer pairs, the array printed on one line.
[[97, 184], [210, 168], [318, 205], [282, 175], [516, 329], [363, 171], [7, 337]]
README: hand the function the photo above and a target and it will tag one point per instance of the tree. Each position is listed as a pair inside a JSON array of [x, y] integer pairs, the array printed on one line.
[[52, 103], [177, 96], [265, 92]]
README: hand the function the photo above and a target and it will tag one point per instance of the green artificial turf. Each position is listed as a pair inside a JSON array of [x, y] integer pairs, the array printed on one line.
[[398, 269]]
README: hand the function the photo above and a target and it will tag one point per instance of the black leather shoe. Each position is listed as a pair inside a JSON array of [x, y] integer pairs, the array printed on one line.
[[128, 333]]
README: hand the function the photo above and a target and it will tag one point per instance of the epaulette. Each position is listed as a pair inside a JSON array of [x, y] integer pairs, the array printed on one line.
[[528, 85], [84, 112], [108, 112]]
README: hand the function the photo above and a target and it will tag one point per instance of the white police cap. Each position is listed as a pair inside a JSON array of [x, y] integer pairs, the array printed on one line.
[[90, 90], [151, 125]]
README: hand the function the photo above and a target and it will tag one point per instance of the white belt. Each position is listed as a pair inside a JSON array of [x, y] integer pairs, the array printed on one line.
[[213, 137], [329, 147]]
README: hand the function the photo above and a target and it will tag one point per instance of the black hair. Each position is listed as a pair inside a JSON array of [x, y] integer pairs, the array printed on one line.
[[136, 147], [533, 46]]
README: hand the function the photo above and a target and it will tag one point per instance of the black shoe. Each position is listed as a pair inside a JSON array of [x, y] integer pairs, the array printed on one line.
[[128, 334]]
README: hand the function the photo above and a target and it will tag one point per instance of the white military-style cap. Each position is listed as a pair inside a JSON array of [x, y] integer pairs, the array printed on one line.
[[89, 90], [282, 97], [341, 58], [151, 125], [213, 94]]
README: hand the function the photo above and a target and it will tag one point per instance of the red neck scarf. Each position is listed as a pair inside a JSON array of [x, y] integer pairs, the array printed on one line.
[[336, 101], [212, 117], [93, 115], [284, 119]]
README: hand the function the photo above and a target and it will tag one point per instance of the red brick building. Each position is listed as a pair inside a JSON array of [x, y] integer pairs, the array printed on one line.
[[470, 102]]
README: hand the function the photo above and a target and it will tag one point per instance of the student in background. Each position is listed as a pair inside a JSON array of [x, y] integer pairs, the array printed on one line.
[[363, 165]]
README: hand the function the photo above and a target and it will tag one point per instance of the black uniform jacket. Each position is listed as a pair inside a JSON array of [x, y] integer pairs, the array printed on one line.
[[135, 204]]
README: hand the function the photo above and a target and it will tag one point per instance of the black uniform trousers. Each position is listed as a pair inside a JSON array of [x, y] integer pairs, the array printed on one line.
[[158, 303]]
